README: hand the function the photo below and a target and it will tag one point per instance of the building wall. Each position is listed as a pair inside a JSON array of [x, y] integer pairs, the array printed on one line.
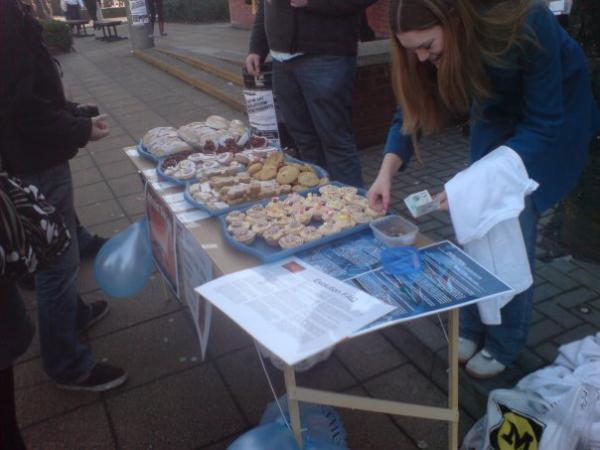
[[240, 14]]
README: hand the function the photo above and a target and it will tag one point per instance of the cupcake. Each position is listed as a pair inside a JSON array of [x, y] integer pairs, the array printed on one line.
[[272, 235], [328, 228], [237, 226], [260, 226], [235, 216], [310, 233], [294, 227], [290, 241], [360, 217], [244, 236]]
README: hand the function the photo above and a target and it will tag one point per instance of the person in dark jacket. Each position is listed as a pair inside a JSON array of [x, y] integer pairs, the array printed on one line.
[[39, 133], [313, 44], [16, 333]]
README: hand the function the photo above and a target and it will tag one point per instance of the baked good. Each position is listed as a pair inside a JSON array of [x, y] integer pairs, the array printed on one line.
[[310, 233], [235, 216], [290, 241], [255, 168], [294, 227], [268, 172], [164, 141], [260, 226], [287, 175], [246, 236], [217, 122], [272, 235], [238, 225], [308, 179]]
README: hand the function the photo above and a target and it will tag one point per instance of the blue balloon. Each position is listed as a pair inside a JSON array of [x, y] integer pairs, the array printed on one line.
[[270, 436], [124, 264]]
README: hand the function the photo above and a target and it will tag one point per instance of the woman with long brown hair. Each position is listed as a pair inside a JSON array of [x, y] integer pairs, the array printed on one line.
[[525, 85]]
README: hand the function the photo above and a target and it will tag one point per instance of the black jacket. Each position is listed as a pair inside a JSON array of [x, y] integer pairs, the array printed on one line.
[[38, 127], [16, 329], [323, 27]]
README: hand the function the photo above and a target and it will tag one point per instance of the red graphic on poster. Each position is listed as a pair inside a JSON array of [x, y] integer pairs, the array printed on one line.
[[162, 235]]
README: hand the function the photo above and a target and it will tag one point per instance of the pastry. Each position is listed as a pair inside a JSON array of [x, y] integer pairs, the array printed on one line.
[[275, 159], [256, 211], [245, 236], [225, 158], [235, 216], [254, 168], [308, 179], [298, 188], [328, 228], [294, 227], [373, 213], [287, 175], [285, 189], [323, 181], [272, 235], [310, 233], [237, 225], [290, 241], [217, 122], [268, 172], [360, 217], [241, 158], [260, 226]]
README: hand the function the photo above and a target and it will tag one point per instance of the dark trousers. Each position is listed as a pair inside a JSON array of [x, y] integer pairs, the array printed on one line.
[[314, 94], [10, 436], [73, 12]]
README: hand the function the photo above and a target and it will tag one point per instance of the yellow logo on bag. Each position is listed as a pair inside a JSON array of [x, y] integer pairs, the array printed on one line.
[[516, 431]]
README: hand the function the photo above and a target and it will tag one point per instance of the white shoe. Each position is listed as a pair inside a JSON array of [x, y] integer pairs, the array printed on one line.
[[484, 366], [466, 349]]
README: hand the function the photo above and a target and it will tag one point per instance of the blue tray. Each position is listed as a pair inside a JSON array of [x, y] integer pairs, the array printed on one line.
[[321, 173], [143, 152], [163, 176], [267, 253]]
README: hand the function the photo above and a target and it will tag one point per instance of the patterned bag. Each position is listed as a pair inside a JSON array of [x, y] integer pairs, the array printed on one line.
[[32, 233]]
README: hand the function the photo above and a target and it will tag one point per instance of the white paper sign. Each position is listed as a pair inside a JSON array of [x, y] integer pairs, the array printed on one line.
[[294, 310], [139, 13], [195, 268]]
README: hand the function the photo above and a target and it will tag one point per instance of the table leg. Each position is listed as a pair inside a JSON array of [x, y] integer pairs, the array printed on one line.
[[290, 387], [453, 377]]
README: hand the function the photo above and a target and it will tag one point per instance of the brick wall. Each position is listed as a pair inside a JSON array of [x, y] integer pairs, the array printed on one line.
[[373, 104], [377, 15], [240, 14]]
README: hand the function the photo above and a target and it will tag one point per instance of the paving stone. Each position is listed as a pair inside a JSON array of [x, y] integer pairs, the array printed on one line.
[[108, 156], [529, 361], [97, 148], [87, 425], [100, 212], [85, 177], [93, 193], [81, 163], [552, 310], [542, 331], [368, 355], [416, 351], [187, 410], [428, 332], [407, 385], [226, 336], [556, 277], [128, 184], [565, 264], [367, 430], [133, 204], [169, 346], [29, 374], [118, 169], [575, 297], [544, 291], [151, 303], [586, 278], [594, 269], [576, 334], [548, 351], [328, 375]]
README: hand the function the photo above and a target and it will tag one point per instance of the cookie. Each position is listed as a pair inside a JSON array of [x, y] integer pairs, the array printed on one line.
[[308, 179], [287, 175]]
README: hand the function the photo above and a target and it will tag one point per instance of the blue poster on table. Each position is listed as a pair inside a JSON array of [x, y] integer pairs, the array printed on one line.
[[449, 279]]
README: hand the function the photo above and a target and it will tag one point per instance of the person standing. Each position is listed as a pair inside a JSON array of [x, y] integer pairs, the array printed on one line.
[[526, 85], [38, 136], [157, 13], [72, 9], [313, 45]]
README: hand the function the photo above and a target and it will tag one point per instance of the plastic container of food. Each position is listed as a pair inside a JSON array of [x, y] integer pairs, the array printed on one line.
[[394, 231]]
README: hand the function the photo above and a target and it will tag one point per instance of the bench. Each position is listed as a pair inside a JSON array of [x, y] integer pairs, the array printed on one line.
[[109, 30], [78, 25]]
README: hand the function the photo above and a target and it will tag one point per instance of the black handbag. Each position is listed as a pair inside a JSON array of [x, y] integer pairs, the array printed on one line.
[[32, 233]]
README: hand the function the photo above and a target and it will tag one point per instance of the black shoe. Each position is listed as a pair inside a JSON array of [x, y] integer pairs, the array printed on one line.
[[93, 247], [103, 377], [97, 311], [27, 282]]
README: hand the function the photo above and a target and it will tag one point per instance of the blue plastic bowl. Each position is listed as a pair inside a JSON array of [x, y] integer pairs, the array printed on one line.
[[401, 260]]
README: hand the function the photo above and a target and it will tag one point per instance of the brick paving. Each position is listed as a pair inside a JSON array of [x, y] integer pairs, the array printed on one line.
[[174, 400]]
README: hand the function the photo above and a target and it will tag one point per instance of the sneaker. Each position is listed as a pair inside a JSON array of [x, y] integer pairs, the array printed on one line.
[[466, 349], [103, 377], [484, 366], [92, 249], [98, 311]]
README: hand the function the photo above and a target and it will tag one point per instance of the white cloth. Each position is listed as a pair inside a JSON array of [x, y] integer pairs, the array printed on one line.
[[283, 56], [557, 407], [485, 201]]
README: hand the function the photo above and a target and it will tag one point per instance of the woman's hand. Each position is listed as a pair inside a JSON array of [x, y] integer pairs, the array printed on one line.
[[443, 198], [379, 193]]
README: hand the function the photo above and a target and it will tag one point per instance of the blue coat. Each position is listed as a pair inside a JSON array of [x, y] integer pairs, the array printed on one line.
[[543, 108]]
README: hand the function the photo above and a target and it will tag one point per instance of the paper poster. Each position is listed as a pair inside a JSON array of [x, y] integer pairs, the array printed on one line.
[[260, 106], [295, 311], [139, 13], [161, 223], [450, 278], [195, 269]]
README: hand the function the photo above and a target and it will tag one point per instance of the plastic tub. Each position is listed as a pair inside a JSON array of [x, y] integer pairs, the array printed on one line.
[[394, 231]]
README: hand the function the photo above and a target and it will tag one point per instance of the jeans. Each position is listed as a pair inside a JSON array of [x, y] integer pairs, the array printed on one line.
[[314, 94], [84, 237], [505, 341], [64, 358]]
